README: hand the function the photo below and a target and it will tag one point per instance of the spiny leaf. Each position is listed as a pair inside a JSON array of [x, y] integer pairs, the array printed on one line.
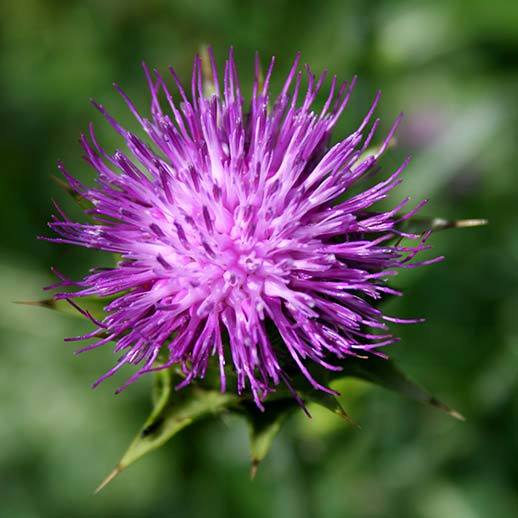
[[328, 401], [93, 306], [385, 373], [173, 411], [161, 389], [264, 426]]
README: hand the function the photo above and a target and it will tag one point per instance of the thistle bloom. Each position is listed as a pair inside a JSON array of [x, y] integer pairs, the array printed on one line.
[[231, 221]]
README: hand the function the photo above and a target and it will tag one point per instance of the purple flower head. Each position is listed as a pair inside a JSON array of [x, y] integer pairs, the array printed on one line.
[[232, 220]]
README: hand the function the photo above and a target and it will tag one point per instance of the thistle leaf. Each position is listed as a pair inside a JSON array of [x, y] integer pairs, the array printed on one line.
[[173, 410], [329, 402], [385, 373], [264, 426]]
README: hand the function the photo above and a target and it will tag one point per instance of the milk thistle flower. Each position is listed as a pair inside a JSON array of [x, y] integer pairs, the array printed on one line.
[[238, 233]]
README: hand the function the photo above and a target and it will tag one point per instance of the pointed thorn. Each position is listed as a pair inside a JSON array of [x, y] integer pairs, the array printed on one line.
[[108, 479], [306, 411], [46, 303], [456, 415], [346, 417], [59, 182], [441, 224], [253, 468], [445, 408], [465, 223]]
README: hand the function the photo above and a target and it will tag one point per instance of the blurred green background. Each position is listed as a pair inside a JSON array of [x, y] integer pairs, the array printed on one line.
[[452, 67]]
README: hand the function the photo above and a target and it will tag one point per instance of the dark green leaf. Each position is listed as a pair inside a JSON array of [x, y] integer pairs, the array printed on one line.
[[173, 411], [264, 426], [327, 401], [386, 374]]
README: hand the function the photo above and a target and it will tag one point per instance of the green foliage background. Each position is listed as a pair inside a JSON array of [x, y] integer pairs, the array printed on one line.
[[452, 67]]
